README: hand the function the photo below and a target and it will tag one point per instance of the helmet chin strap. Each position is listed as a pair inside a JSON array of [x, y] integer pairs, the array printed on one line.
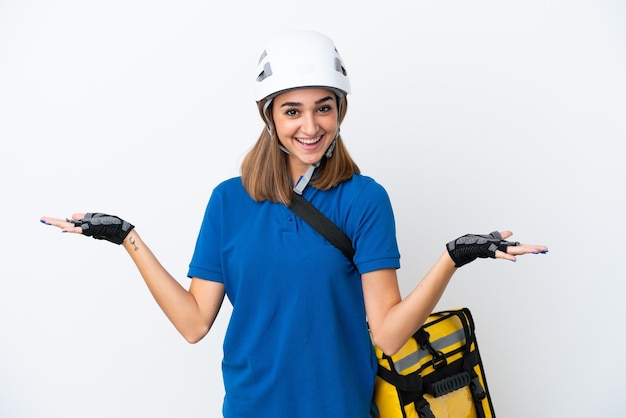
[[306, 178]]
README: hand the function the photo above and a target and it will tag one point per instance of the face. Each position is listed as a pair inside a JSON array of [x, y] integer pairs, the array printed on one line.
[[306, 122]]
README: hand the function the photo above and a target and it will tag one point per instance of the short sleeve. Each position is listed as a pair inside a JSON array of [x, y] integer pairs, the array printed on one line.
[[205, 262], [374, 236]]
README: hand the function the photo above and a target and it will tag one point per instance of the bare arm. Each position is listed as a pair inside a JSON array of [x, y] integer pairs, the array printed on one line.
[[191, 311], [393, 320]]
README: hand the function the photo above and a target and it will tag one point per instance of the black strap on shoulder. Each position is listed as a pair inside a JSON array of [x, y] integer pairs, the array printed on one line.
[[320, 222]]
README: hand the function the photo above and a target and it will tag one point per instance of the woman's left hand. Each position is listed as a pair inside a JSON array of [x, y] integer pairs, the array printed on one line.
[[469, 247]]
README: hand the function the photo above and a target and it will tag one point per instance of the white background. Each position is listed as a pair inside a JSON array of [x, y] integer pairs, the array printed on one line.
[[475, 116]]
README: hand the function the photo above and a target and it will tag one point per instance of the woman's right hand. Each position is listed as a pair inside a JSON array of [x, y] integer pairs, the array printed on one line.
[[97, 225]]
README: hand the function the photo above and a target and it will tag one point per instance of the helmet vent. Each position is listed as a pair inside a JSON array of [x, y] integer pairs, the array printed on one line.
[[267, 71], [340, 67]]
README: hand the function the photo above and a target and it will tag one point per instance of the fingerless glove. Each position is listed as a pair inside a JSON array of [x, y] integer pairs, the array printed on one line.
[[469, 247], [103, 226]]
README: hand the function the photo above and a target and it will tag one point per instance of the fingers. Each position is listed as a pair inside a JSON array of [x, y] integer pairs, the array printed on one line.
[[527, 249], [60, 223], [505, 256], [521, 249], [63, 224], [505, 234]]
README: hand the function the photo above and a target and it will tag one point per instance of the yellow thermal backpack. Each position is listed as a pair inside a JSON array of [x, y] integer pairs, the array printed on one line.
[[438, 373]]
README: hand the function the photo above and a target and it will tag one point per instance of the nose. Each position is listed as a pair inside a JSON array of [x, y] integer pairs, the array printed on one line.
[[309, 125]]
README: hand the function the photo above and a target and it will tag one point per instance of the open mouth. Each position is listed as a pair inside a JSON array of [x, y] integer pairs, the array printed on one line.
[[309, 141]]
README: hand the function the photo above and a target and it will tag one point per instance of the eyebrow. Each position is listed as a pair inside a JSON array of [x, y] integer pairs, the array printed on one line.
[[317, 102]]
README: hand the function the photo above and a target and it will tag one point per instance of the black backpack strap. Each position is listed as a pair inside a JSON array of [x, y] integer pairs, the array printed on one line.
[[320, 222], [411, 382], [410, 388], [471, 359]]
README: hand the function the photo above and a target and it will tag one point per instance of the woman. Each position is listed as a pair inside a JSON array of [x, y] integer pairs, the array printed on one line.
[[297, 343]]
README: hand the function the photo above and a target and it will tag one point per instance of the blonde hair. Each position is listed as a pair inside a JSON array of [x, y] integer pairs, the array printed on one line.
[[265, 172]]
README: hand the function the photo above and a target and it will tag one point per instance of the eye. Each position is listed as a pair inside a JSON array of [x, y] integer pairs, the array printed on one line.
[[325, 109], [291, 112]]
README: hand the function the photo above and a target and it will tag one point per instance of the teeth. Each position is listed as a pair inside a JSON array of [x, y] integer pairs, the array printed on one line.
[[309, 141]]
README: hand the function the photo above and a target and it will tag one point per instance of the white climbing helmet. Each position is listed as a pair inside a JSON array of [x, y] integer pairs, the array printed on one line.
[[300, 59]]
